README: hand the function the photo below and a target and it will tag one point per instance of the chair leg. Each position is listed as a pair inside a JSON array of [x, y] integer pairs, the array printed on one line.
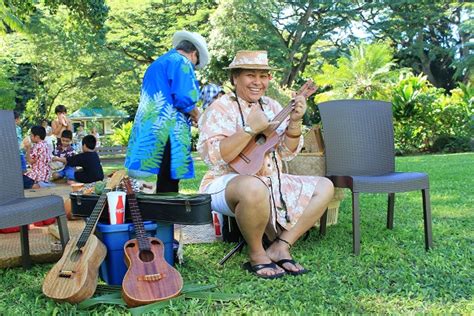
[[63, 230], [391, 204], [25, 247], [355, 223], [427, 219], [323, 223]]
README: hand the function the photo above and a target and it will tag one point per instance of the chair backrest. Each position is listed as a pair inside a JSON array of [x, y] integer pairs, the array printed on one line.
[[11, 182], [358, 135]]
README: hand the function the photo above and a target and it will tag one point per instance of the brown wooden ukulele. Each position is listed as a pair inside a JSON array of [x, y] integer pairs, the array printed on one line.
[[250, 160], [74, 277], [149, 277]]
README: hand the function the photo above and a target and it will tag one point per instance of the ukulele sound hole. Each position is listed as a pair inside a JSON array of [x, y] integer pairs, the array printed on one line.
[[76, 255], [260, 139], [146, 256]]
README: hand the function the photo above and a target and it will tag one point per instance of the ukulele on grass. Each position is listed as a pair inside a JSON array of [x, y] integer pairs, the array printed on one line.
[[250, 160], [149, 277], [74, 277]]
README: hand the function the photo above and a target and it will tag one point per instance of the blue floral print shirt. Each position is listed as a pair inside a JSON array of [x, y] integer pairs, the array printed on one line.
[[169, 91]]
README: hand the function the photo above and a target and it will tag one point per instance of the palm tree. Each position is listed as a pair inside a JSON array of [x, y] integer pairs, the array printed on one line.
[[365, 73]]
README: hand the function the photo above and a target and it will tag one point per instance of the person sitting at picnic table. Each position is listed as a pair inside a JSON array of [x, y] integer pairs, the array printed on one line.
[[39, 158], [282, 206], [89, 161], [64, 150]]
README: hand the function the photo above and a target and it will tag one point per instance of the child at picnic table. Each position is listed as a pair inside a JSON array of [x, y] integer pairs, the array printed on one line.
[[39, 158], [63, 150], [61, 122], [89, 161]]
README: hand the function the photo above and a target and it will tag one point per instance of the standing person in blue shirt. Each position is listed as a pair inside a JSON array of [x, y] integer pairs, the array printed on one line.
[[160, 142]]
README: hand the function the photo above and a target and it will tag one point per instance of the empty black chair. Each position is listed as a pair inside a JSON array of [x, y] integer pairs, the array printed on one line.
[[15, 209], [360, 155]]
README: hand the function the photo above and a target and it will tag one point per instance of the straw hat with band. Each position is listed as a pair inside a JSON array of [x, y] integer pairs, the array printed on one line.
[[250, 59], [198, 41]]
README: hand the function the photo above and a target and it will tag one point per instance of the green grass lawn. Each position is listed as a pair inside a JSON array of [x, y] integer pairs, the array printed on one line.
[[393, 274]]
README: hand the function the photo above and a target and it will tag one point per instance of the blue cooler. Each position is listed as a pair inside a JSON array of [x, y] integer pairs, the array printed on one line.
[[114, 237]]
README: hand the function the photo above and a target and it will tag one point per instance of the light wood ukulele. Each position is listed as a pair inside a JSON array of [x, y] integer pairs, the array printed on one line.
[[250, 160], [74, 277], [149, 277]]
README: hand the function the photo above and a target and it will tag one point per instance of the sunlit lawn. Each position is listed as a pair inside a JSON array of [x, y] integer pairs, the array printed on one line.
[[393, 274]]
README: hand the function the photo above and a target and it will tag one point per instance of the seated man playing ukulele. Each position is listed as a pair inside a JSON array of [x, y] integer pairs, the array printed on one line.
[[281, 205]]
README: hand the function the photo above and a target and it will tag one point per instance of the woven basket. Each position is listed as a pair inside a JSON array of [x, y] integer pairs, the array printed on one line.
[[314, 164]]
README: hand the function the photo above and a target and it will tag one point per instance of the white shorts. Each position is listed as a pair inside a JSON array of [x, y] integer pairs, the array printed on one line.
[[217, 191]]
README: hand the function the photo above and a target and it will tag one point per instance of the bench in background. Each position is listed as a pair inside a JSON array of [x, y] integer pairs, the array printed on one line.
[[111, 151]]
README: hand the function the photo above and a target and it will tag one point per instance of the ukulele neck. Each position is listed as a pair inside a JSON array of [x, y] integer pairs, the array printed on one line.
[[143, 243], [92, 221], [306, 90]]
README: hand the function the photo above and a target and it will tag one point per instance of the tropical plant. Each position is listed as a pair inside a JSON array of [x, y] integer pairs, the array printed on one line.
[[364, 73], [423, 114], [121, 135]]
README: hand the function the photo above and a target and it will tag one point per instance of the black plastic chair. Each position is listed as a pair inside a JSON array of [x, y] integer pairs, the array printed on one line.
[[360, 155], [15, 209]]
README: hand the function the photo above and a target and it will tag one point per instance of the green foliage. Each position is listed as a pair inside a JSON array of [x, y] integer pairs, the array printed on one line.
[[286, 29], [452, 144], [13, 13], [7, 91], [64, 56], [276, 92], [393, 274], [121, 135], [432, 37], [8, 18], [365, 73], [194, 137], [93, 12], [422, 114]]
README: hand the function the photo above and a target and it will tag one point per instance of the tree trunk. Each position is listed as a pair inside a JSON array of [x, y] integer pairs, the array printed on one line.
[[295, 70], [464, 47], [425, 62], [295, 44]]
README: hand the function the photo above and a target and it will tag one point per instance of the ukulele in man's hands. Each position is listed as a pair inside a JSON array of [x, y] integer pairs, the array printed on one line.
[[250, 160]]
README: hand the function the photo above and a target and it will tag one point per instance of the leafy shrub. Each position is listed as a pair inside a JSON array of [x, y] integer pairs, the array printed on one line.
[[423, 114], [452, 144], [412, 100], [121, 135]]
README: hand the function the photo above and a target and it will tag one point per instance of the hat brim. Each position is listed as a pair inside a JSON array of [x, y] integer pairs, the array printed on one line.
[[197, 41], [253, 67]]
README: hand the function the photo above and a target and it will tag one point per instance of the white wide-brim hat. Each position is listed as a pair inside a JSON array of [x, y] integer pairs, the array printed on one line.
[[198, 41]]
